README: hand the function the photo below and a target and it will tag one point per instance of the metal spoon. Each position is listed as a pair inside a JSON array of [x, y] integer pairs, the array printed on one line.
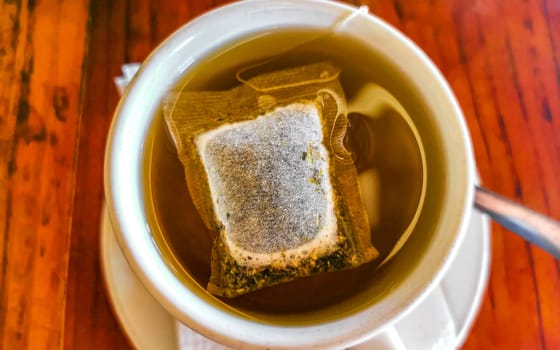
[[534, 227]]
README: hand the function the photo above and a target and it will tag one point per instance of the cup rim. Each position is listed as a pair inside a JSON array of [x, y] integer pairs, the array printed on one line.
[[122, 176]]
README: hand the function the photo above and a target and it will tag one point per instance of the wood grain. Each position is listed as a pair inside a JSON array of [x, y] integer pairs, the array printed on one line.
[[502, 60], [121, 31], [88, 313], [42, 46]]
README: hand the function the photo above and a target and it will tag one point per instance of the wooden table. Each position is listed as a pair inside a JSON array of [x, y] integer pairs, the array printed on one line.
[[57, 63]]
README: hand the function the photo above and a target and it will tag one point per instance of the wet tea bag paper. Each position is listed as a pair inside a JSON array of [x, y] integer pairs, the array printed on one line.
[[268, 172]]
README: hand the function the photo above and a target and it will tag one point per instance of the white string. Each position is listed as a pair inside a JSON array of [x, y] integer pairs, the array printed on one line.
[[362, 10]]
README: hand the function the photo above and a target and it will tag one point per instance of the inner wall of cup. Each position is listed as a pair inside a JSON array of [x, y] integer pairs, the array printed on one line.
[[396, 271]]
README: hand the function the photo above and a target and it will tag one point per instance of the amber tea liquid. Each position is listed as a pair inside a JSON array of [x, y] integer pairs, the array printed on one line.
[[179, 232]]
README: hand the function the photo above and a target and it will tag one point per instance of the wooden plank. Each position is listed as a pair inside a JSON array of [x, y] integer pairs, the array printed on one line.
[[90, 323], [121, 31], [39, 114]]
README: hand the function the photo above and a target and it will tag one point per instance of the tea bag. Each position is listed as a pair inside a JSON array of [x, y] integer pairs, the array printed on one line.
[[267, 169]]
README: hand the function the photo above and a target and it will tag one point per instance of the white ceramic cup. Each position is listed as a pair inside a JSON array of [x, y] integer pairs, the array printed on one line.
[[405, 281]]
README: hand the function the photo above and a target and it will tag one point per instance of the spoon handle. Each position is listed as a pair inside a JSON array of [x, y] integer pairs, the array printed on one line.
[[534, 227]]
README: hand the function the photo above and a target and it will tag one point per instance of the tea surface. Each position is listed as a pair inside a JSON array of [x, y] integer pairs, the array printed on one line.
[[180, 233]]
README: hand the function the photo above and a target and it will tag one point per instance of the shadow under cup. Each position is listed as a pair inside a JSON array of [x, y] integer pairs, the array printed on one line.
[[377, 297]]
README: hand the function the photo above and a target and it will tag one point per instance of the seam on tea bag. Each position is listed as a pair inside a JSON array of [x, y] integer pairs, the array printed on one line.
[[278, 87], [337, 148], [171, 123]]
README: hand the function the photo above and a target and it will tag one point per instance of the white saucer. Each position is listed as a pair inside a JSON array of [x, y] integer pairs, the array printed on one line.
[[442, 321]]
